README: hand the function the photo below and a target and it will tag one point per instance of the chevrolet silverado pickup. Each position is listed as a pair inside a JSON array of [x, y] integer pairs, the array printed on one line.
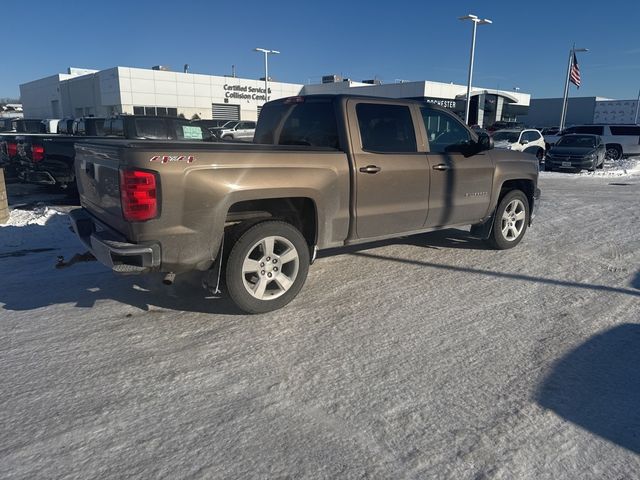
[[323, 171]]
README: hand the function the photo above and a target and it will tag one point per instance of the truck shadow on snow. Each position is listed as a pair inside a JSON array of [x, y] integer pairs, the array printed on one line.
[[87, 290], [597, 386], [446, 238], [34, 247]]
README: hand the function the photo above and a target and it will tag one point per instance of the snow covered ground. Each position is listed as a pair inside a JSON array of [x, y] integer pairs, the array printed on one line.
[[425, 357]]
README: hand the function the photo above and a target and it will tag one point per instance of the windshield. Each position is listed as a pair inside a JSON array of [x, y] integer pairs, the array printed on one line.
[[229, 124], [581, 141], [511, 137]]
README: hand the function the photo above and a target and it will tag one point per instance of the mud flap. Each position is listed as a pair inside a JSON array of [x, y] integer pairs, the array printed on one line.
[[483, 230]]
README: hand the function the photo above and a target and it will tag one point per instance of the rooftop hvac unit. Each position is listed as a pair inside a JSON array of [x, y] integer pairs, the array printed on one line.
[[163, 68], [373, 81], [331, 78]]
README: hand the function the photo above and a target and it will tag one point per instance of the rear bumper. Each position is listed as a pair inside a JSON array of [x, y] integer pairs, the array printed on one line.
[[573, 163], [111, 249], [46, 172]]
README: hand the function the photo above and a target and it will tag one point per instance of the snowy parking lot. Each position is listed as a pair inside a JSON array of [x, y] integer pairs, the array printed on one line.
[[424, 357]]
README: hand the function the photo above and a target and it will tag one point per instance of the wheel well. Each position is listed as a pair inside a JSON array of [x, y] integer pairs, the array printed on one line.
[[614, 145], [298, 211], [526, 186]]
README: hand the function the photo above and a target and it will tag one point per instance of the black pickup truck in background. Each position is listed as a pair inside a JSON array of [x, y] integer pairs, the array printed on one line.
[[49, 159], [88, 127], [11, 128]]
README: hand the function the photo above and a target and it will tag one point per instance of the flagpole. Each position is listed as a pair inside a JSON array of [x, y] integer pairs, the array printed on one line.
[[637, 108], [566, 89]]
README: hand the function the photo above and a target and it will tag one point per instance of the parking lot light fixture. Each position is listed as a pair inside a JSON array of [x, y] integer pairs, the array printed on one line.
[[266, 69], [476, 21]]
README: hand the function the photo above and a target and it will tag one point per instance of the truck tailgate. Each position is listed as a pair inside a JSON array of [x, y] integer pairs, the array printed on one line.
[[98, 178]]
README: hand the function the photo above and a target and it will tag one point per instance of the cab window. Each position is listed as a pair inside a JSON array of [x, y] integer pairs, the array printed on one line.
[[444, 132], [386, 128]]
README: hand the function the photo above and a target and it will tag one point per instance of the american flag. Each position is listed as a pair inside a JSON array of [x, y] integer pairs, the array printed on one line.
[[575, 71]]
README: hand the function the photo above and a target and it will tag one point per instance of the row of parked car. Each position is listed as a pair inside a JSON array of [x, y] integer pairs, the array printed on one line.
[[43, 151], [575, 148]]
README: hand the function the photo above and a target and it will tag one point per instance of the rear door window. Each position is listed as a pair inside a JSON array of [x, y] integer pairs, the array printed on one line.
[[624, 130], [386, 128]]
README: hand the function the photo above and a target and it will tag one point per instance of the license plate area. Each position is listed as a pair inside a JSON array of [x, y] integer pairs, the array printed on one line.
[[566, 164]]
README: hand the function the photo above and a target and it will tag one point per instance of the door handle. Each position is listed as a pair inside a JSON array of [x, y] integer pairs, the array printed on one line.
[[370, 169], [441, 166]]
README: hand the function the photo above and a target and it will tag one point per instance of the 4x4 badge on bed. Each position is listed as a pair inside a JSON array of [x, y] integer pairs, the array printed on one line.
[[172, 158]]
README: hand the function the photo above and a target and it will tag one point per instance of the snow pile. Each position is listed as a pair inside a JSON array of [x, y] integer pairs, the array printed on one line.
[[38, 216], [34, 228], [612, 168]]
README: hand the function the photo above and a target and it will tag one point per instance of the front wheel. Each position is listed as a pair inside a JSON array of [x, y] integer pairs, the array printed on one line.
[[510, 221], [267, 267]]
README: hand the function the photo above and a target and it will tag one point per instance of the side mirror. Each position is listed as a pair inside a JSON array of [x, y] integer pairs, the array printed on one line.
[[485, 142], [524, 142]]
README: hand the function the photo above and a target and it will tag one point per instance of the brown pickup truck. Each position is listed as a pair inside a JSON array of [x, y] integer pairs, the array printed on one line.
[[323, 171]]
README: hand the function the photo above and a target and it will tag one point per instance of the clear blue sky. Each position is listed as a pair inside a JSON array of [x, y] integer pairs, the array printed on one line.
[[526, 47]]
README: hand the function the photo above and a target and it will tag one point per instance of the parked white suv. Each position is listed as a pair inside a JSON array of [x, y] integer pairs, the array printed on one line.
[[241, 130], [527, 140], [620, 140]]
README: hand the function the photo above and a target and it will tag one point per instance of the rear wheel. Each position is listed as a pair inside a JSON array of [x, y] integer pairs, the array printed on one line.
[[614, 152], [267, 267], [510, 221]]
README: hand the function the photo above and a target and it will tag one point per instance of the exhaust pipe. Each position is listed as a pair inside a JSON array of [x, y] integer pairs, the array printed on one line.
[[169, 278]]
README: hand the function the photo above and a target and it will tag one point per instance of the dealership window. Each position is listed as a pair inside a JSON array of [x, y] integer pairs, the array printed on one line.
[[153, 111], [386, 128]]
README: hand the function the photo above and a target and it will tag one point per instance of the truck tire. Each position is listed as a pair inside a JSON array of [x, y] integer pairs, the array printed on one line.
[[227, 137], [267, 266], [510, 221]]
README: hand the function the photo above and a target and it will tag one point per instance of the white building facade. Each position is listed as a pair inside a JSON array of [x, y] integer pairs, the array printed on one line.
[[82, 92], [147, 91]]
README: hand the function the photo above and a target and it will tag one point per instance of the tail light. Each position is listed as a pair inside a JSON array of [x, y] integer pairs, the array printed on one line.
[[12, 149], [37, 153], [139, 195]]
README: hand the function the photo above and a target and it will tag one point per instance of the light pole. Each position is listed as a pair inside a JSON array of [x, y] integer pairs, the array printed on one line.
[[565, 98], [266, 69], [476, 21]]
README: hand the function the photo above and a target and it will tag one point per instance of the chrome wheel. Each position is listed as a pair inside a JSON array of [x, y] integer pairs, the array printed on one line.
[[270, 268], [513, 220]]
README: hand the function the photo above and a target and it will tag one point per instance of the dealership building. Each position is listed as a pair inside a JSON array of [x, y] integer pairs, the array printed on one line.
[[157, 91], [581, 110]]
